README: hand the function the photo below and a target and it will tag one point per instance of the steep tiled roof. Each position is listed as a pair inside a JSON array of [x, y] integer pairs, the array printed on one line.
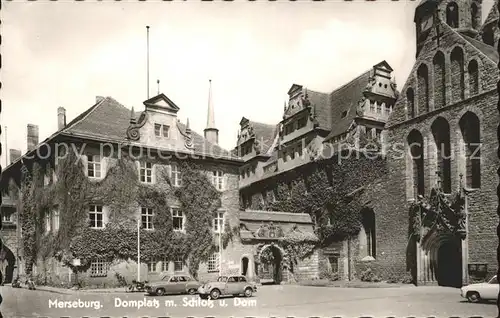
[[345, 99], [321, 108], [109, 120], [486, 49], [265, 134], [492, 15]]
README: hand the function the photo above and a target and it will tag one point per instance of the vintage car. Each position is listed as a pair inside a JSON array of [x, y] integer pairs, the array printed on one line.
[[173, 284], [481, 291], [227, 285]]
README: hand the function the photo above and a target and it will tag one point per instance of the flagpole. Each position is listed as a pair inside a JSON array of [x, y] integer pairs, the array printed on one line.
[[138, 251], [147, 59]]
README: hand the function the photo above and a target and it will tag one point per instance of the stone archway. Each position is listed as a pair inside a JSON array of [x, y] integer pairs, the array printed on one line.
[[442, 259], [271, 258], [8, 264]]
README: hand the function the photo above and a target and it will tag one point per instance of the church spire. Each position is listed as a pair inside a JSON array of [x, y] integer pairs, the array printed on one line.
[[211, 133]]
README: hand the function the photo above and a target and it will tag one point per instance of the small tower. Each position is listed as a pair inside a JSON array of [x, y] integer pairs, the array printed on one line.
[[211, 133]]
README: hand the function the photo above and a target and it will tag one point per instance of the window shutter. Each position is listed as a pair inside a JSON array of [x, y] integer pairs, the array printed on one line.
[[105, 215], [85, 161], [104, 166]]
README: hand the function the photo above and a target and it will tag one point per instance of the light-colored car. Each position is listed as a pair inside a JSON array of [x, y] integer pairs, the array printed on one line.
[[481, 291], [227, 285], [173, 284]]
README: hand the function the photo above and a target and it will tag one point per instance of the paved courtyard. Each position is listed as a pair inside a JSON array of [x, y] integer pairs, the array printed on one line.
[[280, 301]]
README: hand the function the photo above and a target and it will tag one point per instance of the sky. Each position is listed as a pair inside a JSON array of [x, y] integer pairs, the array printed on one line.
[[65, 53]]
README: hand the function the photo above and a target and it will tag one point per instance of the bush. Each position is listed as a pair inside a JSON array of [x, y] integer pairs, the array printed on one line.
[[369, 276], [407, 279], [328, 274]]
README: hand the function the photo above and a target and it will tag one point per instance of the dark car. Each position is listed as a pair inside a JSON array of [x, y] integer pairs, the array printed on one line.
[[173, 284]]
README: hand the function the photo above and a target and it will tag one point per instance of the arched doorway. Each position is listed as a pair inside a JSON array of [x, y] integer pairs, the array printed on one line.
[[9, 262], [244, 266], [449, 264], [271, 260]]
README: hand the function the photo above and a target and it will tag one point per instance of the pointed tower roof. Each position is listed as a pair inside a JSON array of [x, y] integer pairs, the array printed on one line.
[[210, 115], [492, 15]]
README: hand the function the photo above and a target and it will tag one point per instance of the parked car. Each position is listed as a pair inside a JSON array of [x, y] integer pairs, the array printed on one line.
[[173, 284], [481, 291], [227, 285]]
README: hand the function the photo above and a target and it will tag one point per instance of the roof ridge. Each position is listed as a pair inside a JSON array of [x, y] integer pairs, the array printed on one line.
[[354, 79]]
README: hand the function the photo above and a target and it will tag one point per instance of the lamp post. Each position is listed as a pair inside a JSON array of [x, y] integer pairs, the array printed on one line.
[[138, 250]]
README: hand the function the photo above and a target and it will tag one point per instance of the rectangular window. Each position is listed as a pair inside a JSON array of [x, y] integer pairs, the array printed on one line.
[[166, 131], [284, 156], [146, 172], [158, 130], [219, 222], [6, 217], [96, 217], [218, 179], [164, 265], [302, 122], [56, 219], [94, 166], [178, 265], [379, 108], [334, 263], [372, 107], [378, 135], [147, 218], [177, 219], [152, 266], [299, 150], [175, 175], [213, 263], [99, 268], [292, 154]]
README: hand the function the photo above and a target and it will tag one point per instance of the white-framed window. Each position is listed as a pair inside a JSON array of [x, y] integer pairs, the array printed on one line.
[[99, 268], [175, 175], [6, 216], [152, 266], [146, 172], [96, 214], [178, 264], [164, 265], [48, 221], [94, 166], [177, 219], [55, 217], [218, 179], [147, 218], [218, 222], [213, 262], [162, 130]]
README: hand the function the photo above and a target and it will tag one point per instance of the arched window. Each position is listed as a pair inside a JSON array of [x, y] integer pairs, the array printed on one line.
[[439, 81], [416, 146], [452, 15], [488, 36], [423, 88], [441, 132], [473, 78], [469, 126], [368, 222], [474, 15], [410, 99], [457, 74]]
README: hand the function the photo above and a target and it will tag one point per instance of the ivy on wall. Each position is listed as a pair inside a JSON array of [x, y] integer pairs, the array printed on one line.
[[123, 195], [323, 189]]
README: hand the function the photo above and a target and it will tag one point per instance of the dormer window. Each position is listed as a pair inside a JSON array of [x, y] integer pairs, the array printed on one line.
[[162, 130], [302, 122]]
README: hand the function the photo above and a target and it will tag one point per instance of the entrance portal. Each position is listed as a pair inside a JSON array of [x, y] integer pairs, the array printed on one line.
[[449, 270], [271, 259], [244, 266]]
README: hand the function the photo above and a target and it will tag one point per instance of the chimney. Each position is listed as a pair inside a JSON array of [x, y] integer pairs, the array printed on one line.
[[13, 155], [32, 136], [61, 118]]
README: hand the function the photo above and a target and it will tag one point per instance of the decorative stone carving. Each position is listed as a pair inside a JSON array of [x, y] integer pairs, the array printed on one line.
[[269, 230], [133, 129]]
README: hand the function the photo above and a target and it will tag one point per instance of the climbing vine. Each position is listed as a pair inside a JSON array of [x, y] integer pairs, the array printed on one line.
[[327, 191], [123, 195]]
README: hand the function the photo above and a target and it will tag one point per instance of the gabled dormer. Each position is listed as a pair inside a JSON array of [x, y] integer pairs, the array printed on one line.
[[158, 125]]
